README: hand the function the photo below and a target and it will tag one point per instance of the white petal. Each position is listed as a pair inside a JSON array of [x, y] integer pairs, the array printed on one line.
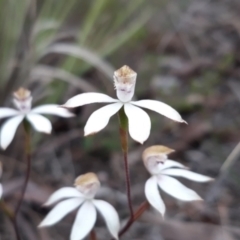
[[84, 222], [40, 123], [170, 163], [176, 189], [153, 195], [161, 108], [86, 98], [65, 192], [1, 190], [52, 109], [7, 112], [139, 123], [187, 174], [100, 118], [9, 129], [110, 216], [60, 211]]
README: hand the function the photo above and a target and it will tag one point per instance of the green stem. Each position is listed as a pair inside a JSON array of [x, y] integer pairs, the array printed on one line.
[[28, 158], [123, 130]]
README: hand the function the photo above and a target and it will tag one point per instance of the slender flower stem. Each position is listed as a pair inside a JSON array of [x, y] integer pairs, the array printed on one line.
[[93, 235], [16, 229], [123, 121], [28, 158], [128, 184], [142, 208]]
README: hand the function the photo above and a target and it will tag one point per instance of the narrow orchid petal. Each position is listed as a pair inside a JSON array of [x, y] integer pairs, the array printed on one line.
[[52, 109], [87, 98], [65, 192], [84, 222], [1, 190], [8, 130], [187, 174], [176, 189], [170, 163], [60, 211], [160, 108], [7, 112], [100, 118], [139, 123], [153, 195], [110, 216], [40, 123]]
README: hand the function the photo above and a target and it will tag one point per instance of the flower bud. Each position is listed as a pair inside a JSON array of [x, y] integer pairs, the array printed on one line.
[[22, 99], [155, 156], [124, 82], [87, 184]]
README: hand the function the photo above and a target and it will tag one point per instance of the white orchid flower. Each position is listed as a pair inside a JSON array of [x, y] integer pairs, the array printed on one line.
[[163, 170], [1, 190], [139, 121], [23, 101], [83, 197]]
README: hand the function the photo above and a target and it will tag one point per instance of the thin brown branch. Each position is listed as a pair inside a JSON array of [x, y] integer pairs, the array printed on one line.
[[93, 235], [144, 206]]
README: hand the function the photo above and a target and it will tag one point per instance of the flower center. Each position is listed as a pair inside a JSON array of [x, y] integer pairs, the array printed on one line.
[[124, 82], [154, 157], [23, 100], [88, 184]]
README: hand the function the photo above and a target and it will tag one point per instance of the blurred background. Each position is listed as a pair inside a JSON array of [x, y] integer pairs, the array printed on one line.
[[186, 53]]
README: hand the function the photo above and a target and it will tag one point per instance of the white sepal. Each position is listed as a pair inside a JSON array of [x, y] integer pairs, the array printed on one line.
[[84, 221], [7, 112], [52, 109], [153, 195], [169, 164], [100, 118], [139, 123], [60, 211], [1, 190], [187, 174], [62, 193], [110, 216], [39, 122], [8, 130], [87, 98], [161, 108], [176, 189]]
